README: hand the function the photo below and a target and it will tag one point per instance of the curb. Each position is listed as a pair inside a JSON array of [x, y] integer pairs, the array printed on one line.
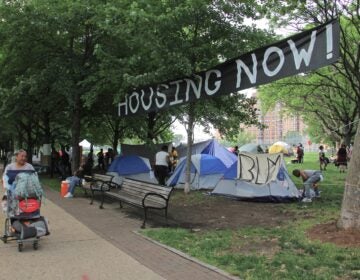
[[188, 257]]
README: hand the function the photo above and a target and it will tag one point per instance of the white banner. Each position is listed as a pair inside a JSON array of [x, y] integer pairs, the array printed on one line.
[[259, 168]]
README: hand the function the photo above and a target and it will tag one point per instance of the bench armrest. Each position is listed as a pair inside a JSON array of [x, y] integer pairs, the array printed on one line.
[[154, 194], [102, 185]]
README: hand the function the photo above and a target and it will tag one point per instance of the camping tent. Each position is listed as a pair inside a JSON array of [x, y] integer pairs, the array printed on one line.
[[206, 171], [280, 189], [252, 148], [134, 167], [280, 147], [85, 144], [145, 150], [210, 147]]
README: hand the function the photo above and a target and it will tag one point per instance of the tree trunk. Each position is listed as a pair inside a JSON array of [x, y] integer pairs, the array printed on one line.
[[75, 133], [350, 208], [150, 127], [190, 133], [47, 129]]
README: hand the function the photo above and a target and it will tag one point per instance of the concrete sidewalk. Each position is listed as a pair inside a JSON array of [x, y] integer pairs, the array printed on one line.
[[71, 251], [117, 226]]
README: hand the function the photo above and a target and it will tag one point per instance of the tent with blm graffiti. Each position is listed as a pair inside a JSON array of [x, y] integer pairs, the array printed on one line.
[[258, 177]]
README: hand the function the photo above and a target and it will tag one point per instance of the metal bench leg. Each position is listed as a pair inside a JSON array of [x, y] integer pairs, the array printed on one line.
[[145, 217], [102, 200], [92, 197], [166, 218]]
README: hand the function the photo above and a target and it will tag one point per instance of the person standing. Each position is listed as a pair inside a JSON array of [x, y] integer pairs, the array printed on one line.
[[322, 158], [100, 156], [173, 158], [162, 162], [64, 163], [341, 159], [300, 153], [54, 161]]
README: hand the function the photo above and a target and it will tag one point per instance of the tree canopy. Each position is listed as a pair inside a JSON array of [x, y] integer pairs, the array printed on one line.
[[65, 65]]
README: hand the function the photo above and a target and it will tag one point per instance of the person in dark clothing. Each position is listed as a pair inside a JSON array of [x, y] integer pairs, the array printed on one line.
[[54, 161], [322, 158], [64, 163], [341, 160], [300, 153], [100, 156], [89, 164], [236, 150]]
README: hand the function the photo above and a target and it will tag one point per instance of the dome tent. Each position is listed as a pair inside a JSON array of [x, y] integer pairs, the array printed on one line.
[[210, 147], [131, 166], [206, 171]]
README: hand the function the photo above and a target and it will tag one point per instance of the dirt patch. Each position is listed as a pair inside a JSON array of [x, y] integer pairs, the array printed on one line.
[[330, 233], [204, 212], [220, 213]]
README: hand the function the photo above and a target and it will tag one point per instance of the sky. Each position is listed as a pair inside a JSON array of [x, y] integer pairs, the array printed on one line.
[[199, 134]]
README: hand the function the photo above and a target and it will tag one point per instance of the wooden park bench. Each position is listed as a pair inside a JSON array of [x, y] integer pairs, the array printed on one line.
[[98, 183], [141, 194]]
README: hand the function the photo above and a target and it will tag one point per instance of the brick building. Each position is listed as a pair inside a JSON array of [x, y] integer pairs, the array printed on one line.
[[280, 127]]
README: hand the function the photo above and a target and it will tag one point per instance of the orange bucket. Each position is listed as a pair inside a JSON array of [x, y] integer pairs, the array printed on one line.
[[64, 188]]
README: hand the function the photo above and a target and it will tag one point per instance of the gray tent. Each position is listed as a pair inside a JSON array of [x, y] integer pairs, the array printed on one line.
[[279, 189], [252, 148]]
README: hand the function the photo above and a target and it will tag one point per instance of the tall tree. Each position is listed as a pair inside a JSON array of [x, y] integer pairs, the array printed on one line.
[[314, 98], [299, 13]]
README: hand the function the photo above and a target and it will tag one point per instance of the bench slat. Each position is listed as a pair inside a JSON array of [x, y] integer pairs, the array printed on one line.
[[141, 192], [140, 195], [148, 188], [135, 200], [147, 185]]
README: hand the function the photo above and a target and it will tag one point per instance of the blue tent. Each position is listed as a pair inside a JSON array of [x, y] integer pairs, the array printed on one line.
[[206, 171], [131, 166], [125, 165], [210, 147]]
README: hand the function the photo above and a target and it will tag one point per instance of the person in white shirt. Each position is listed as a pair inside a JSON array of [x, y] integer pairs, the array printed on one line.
[[162, 161]]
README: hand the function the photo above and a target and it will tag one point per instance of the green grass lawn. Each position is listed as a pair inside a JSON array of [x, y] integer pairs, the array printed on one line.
[[282, 252]]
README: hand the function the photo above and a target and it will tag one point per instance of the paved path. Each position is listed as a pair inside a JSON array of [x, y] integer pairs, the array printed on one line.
[[115, 226], [71, 251], [87, 243]]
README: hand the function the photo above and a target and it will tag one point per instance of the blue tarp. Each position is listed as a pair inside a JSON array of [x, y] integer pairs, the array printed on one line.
[[202, 164], [126, 165], [231, 173], [210, 165], [210, 147]]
